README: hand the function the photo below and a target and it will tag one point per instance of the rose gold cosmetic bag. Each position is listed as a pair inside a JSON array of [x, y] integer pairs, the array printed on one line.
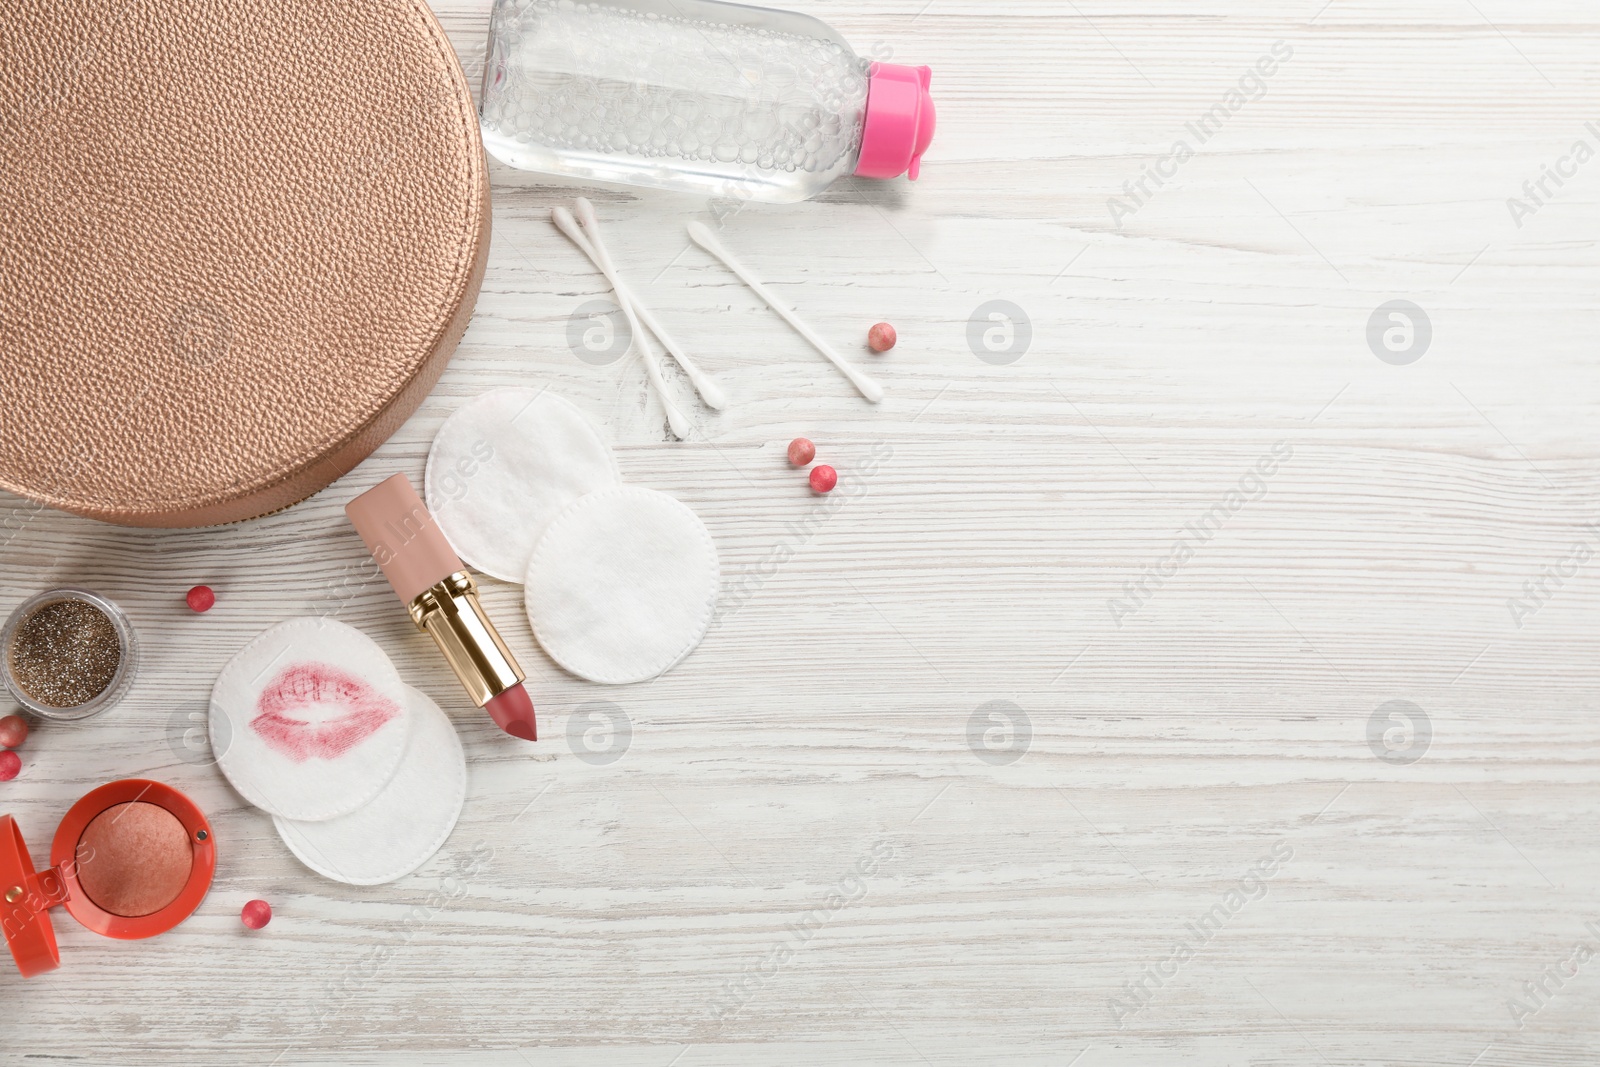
[[238, 244]]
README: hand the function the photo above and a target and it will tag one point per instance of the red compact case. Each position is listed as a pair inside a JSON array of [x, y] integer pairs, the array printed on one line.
[[132, 859]]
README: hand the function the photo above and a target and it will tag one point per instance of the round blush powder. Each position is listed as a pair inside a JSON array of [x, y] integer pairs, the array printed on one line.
[[136, 858]]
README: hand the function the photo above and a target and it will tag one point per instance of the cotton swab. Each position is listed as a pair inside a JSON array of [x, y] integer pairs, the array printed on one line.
[[703, 237], [703, 383], [652, 363]]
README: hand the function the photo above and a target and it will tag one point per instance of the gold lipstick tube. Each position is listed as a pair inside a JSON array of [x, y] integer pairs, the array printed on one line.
[[449, 613]]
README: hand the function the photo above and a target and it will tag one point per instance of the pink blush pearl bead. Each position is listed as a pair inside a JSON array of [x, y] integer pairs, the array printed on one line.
[[13, 731], [256, 914], [824, 478]]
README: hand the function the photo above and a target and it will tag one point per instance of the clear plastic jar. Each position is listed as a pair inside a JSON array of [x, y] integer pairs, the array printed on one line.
[[26, 670]]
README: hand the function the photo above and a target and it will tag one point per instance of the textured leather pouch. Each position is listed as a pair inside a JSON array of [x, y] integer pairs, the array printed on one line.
[[238, 244]]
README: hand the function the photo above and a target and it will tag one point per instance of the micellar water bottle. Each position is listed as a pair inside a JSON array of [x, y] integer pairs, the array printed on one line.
[[695, 95]]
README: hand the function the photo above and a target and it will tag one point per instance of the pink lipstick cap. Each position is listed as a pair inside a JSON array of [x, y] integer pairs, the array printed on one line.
[[402, 537]]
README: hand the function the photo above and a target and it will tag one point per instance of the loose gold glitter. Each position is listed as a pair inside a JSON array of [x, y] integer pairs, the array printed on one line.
[[65, 653]]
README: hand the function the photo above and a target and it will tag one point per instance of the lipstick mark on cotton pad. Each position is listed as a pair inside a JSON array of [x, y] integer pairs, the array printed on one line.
[[317, 711]]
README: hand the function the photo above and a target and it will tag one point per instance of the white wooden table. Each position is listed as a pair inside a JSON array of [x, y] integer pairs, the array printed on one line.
[[700, 900]]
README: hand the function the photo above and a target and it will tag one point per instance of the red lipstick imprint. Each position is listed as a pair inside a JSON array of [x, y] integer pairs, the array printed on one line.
[[302, 686]]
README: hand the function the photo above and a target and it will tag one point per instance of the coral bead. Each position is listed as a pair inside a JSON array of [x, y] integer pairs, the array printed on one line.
[[201, 598], [13, 731], [824, 478], [801, 452], [10, 765], [881, 337], [256, 914]]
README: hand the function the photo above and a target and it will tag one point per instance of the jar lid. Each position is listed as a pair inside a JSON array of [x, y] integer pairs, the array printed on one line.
[[237, 249]]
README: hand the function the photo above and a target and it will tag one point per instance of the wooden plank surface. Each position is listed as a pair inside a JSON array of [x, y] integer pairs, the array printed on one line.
[[802, 855]]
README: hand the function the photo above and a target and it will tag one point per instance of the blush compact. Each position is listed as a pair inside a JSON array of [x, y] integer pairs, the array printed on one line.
[[131, 860]]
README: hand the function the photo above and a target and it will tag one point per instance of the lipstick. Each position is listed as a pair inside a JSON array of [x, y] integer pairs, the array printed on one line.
[[442, 598]]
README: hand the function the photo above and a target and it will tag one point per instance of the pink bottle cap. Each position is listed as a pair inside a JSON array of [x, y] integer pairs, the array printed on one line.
[[899, 121]]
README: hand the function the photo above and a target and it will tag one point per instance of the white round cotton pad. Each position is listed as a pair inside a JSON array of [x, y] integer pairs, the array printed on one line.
[[406, 823], [622, 585], [309, 720], [503, 466]]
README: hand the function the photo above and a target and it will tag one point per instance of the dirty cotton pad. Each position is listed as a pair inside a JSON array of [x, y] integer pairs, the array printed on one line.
[[622, 585], [406, 823], [503, 466], [309, 720]]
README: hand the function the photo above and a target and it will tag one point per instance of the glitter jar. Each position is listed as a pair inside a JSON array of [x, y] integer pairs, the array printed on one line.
[[68, 654]]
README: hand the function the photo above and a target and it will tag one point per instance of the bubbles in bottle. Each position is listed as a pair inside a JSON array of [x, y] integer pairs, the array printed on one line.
[[592, 77]]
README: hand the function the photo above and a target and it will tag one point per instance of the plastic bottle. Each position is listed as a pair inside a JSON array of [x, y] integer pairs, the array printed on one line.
[[697, 96]]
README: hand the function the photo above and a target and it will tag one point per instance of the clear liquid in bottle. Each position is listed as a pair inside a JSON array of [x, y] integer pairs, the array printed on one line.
[[693, 95]]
